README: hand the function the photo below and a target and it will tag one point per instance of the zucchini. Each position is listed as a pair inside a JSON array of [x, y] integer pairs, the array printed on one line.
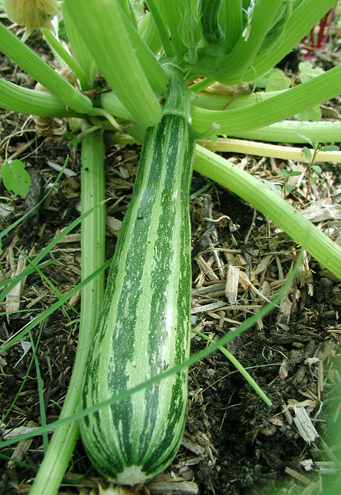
[[144, 326]]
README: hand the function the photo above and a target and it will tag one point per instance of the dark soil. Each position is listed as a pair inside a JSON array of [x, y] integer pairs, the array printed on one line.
[[234, 443]]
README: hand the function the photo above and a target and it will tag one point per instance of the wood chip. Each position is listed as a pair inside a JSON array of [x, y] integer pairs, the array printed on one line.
[[304, 425], [232, 282], [297, 476]]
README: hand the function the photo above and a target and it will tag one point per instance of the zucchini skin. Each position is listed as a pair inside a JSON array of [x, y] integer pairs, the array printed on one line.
[[144, 326]]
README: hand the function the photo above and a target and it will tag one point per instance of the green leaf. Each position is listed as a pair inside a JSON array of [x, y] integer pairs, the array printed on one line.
[[16, 178], [308, 71], [330, 147], [306, 139], [313, 114], [289, 187], [316, 169], [307, 152], [284, 173], [295, 172], [278, 81]]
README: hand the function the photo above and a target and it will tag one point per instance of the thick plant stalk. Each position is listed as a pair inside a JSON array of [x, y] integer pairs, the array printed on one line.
[[302, 19], [269, 150], [22, 55], [248, 45], [287, 131], [64, 438], [79, 50], [33, 102], [110, 38], [268, 202], [286, 104]]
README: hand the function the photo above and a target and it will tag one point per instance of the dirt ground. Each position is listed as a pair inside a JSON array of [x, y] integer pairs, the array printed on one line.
[[233, 443]]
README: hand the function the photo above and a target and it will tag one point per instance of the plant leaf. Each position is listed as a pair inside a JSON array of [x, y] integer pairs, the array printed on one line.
[[308, 71], [307, 152], [314, 114], [306, 139], [316, 169], [16, 178], [330, 147]]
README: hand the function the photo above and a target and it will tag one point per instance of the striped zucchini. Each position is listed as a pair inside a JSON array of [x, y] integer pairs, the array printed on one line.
[[144, 326]]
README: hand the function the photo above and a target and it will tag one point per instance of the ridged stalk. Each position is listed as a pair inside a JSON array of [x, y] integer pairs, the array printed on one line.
[[161, 26], [112, 104], [173, 13], [64, 438], [67, 58], [231, 21], [287, 132], [32, 102], [22, 55], [285, 105], [268, 202], [265, 149], [79, 49], [104, 31], [248, 46], [303, 18], [129, 11], [149, 33]]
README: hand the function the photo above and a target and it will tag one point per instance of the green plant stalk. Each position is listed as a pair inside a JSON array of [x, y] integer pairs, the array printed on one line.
[[287, 132], [245, 50], [173, 12], [161, 27], [264, 149], [22, 55], [64, 438], [215, 101], [156, 75], [128, 11], [268, 202], [101, 25], [32, 102], [201, 85], [286, 104], [70, 61], [149, 33], [240, 368], [231, 20], [79, 49], [303, 18]]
